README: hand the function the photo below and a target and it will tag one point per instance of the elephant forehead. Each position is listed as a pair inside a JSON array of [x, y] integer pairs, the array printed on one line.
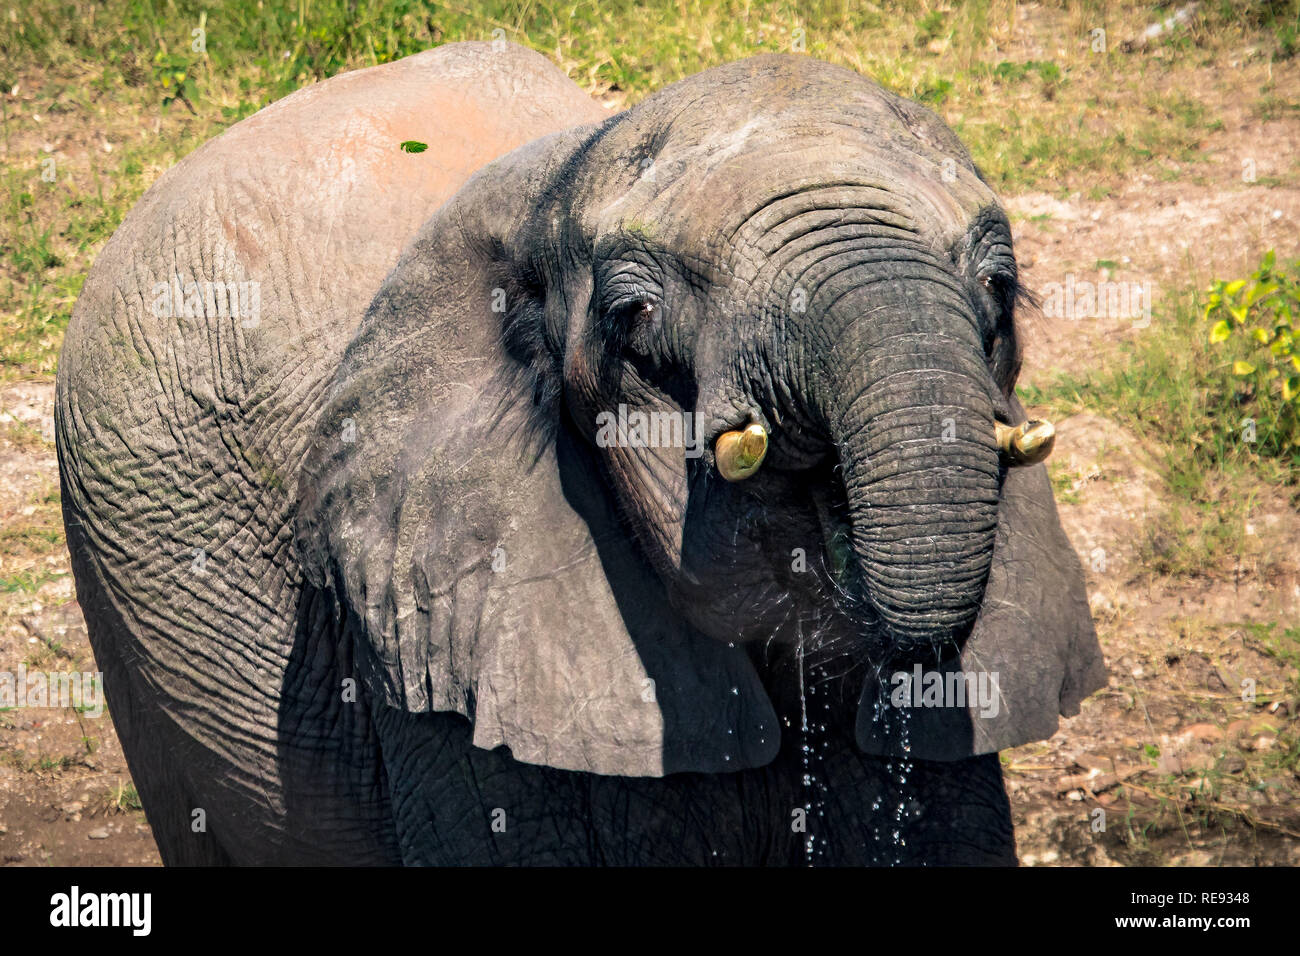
[[724, 143], [735, 198]]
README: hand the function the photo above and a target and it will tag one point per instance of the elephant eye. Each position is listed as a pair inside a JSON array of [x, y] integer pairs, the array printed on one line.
[[636, 320], [646, 311], [1001, 290], [635, 310]]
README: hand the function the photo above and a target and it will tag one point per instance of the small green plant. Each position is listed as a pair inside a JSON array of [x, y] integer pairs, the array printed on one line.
[[123, 798], [46, 762], [1048, 71], [934, 92], [929, 27], [172, 70], [1254, 325]]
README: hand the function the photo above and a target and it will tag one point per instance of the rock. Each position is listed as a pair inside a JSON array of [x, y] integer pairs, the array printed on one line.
[[74, 807], [1233, 763], [1207, 733], [100, 834], [1179, 764], [1231, 682], [1103, 774], [1093, 762], [1104, 781], [1071, 781]]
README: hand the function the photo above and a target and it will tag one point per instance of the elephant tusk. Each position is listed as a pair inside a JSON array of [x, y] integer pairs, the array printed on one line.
[[740, 453], [1027, 443]]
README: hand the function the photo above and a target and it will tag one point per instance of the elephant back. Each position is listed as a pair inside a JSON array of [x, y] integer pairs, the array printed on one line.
[[193, 373]]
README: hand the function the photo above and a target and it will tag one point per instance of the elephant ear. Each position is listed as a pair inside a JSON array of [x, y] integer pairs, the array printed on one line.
[[466, 532], [1031, 657]]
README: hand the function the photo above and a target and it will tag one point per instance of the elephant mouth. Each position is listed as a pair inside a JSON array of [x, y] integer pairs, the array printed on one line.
[[844, 597], [843, 586]]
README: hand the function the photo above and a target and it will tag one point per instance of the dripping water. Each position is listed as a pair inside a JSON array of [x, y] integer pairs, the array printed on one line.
[[899, 770], [812, 752], [894, 807]]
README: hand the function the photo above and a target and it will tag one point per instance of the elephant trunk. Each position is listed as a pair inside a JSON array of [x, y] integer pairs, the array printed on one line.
[[908, 403]]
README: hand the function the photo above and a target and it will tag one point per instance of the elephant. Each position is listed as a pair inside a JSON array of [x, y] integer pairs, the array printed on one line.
[[584, 489]]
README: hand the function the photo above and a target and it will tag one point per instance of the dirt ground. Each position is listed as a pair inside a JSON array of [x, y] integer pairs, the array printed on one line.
[[1169, 750], [65, 795], [1167, 765]]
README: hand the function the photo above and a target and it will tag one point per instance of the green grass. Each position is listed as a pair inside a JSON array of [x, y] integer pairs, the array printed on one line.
[[120, 90], [134, 74], [28, 581], [27, 540], [1282, 644], [123, 798], [1170, 385], [1178, 394]]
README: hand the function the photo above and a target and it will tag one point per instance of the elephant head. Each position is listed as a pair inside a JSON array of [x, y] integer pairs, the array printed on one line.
[[724, 379]]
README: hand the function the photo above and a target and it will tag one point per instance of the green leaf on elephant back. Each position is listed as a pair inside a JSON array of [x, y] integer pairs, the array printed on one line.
[[413, 146]]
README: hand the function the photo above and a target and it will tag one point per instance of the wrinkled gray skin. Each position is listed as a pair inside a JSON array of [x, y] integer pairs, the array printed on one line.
[[366, 588]]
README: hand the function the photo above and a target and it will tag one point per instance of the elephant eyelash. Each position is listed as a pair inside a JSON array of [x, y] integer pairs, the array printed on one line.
[[640, 309], [645, 312], [1003, 288], [648, 316], [629, 321]]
